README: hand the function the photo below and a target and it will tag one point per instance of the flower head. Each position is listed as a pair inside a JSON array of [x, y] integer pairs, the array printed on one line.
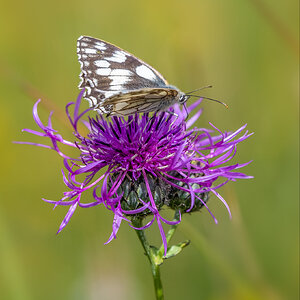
[[143, 163]]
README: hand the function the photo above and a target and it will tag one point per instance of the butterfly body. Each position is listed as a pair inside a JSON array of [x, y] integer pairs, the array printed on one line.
[[118, 83]]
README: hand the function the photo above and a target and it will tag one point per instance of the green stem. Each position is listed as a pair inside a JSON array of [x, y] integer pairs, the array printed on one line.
[[153, 259], [155, 256]]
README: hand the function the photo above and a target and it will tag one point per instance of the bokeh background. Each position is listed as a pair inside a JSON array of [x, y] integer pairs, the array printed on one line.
[[248, 50]]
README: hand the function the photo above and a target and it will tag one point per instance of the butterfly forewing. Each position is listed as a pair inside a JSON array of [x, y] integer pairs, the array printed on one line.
[[108, 70]]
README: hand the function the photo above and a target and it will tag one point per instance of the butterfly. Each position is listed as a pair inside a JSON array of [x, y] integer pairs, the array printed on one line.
[[118, 83]]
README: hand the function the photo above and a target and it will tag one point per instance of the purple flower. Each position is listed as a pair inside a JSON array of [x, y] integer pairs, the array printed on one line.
[[143, 163]]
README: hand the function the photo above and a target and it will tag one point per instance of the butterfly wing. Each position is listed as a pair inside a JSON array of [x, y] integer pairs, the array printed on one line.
[[107, 70], [143, 100]]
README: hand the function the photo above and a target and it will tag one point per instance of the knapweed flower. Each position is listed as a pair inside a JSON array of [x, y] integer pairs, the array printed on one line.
[[135, 167]]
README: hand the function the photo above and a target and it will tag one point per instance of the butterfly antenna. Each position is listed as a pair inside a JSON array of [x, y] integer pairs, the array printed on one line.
[[202, 88], [211, 99]]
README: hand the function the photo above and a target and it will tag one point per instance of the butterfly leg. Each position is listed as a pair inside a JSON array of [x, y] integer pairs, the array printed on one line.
[[172, 113], [130, 122]]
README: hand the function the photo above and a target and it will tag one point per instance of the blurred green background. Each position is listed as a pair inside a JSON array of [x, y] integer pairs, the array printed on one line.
[[248, 50]]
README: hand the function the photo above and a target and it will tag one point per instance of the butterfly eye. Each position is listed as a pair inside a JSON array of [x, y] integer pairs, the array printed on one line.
[[183, 98]]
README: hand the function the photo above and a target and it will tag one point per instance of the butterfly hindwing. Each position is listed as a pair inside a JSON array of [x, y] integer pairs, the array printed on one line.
[[108, 70], [143, 100]]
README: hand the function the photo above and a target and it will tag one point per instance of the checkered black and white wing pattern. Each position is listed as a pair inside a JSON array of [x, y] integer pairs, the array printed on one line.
[[107, 70]]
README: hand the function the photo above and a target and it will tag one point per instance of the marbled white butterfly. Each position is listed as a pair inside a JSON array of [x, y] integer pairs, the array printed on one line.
[[118, 83]]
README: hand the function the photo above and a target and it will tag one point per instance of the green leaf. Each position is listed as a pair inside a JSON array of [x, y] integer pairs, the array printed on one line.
[[176, 249]]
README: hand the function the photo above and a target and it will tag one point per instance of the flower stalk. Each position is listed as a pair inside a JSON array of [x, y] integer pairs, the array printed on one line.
[[153, 259], [156, 256]]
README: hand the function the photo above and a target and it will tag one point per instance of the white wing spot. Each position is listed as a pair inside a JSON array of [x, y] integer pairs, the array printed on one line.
[[88, 90], [118, 56], [108, 94], [116, 87], [101, 63], [120, 72], [92, 100], [90, 82], [81, 81], [100, 46], [89, 51], [145, 72], [103, 71], [118, 80], [86, 63]]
